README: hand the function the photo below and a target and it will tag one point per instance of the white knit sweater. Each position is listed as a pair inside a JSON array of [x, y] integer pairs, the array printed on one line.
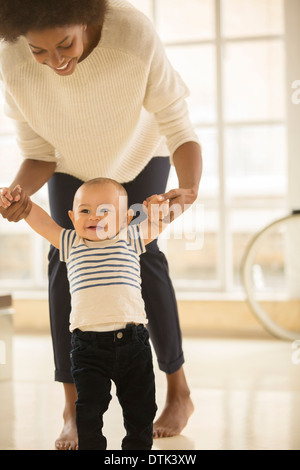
[[119, 108]]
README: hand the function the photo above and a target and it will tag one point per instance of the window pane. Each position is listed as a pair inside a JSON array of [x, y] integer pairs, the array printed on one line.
[[244, 224], [193, 257], [15, 256], [209, 255], [197, 269], [209, 186], [252, 17], [10, 159], [195, 234], [256, 161], [254, 81], [179, 20], [196, 65]]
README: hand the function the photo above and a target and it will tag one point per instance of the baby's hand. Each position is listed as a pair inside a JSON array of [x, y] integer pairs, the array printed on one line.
[[7, 197], [158, 208]]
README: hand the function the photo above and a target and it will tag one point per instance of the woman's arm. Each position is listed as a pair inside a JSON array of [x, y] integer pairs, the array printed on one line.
[[188, 164], [32, 175]]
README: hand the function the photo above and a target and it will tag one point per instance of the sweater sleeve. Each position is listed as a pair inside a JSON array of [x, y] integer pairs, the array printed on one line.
[[30, 143], [166, 97]]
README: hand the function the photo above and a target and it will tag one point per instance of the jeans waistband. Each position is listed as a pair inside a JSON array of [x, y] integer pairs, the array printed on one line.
[[131, 330]]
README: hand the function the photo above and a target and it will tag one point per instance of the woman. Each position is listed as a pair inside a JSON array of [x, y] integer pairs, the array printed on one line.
[[93, 94]]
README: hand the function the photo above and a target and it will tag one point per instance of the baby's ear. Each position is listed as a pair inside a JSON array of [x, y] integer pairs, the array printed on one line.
[[71, 215]]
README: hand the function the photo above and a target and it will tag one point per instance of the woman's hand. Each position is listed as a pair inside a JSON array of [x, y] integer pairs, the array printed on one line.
[[31, 176], [15, 205], [179, 200]]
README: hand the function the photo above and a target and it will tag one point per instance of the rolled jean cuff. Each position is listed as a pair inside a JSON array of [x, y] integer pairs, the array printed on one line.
[[172, 367], [63, 377]]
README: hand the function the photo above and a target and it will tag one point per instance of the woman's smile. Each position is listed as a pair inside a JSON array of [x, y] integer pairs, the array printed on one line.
[[64, 69]]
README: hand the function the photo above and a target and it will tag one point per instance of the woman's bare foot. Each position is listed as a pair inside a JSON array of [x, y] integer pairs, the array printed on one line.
[[68, 437], [178, 409]]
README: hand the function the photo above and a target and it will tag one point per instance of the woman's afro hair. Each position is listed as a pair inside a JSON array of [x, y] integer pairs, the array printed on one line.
[[18, 17]]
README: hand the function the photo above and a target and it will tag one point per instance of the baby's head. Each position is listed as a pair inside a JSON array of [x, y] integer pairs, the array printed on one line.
[[100, 209]]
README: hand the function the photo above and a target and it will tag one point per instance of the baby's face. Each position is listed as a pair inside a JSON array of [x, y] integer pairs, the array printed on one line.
[[99, 211]]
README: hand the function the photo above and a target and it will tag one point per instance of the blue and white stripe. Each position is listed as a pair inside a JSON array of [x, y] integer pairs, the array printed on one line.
[[101, 264]]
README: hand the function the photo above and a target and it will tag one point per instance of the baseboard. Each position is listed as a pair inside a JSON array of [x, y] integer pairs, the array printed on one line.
[[197, 317]]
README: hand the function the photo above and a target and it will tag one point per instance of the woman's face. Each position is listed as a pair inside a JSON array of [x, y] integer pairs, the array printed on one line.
[[59, 48]]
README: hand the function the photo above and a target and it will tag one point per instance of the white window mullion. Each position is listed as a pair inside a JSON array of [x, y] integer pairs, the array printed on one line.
[[292, 15], [224, 262], [37, 261]]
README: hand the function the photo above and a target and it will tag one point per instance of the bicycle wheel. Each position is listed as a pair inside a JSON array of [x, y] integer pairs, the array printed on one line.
[[271, 277]]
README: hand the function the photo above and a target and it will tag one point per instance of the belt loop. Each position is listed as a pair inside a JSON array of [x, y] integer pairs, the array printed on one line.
[[134, 331]]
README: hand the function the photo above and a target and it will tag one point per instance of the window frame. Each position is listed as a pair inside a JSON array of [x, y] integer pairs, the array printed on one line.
[[224, 283]]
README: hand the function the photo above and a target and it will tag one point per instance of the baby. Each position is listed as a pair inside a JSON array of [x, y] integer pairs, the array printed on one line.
[[109, 339]]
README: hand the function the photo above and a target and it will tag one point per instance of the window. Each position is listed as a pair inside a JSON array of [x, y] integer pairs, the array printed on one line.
[[23, 253], [231, 54]]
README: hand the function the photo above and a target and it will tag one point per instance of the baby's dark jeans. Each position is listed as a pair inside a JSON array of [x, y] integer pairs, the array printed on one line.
[[125, 357]]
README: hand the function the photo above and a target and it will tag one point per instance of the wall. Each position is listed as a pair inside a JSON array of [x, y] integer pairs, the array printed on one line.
[[198, 318]]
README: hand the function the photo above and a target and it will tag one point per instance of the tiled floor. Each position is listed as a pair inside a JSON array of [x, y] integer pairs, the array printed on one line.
[[246, 395]]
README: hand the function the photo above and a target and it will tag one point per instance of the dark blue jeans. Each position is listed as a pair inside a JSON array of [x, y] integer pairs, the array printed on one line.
[[125, 357]]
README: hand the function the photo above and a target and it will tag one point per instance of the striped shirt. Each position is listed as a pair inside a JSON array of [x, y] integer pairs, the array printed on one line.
[[104, 278]]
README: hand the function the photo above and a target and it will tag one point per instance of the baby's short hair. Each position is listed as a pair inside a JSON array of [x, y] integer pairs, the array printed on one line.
[[103, 181]]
